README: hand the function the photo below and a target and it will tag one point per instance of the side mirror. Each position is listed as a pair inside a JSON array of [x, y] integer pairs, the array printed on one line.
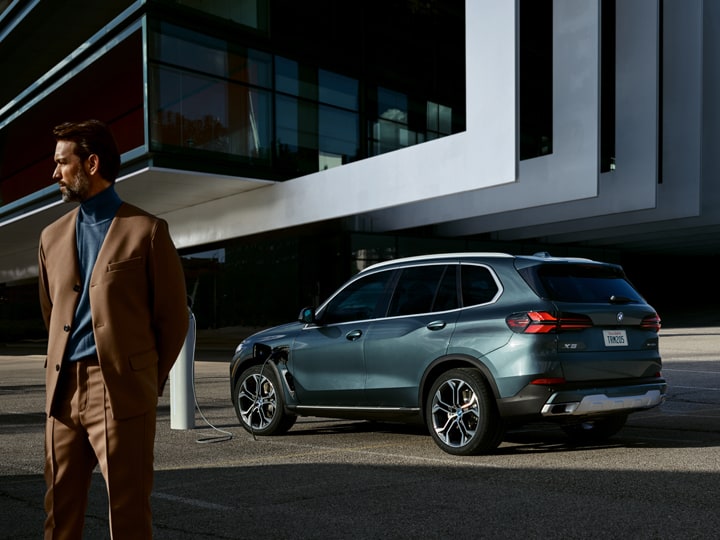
[[307, 315]]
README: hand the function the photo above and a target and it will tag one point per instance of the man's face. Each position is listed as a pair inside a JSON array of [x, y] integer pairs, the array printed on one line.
[[70, 173]]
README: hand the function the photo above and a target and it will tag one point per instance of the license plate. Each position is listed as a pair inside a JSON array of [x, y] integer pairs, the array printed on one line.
[[615, 338]]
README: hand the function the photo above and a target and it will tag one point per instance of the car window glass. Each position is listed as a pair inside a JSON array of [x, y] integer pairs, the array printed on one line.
[[478, 285], [360, 300], [447, 295], [417, 290], [581, 283]]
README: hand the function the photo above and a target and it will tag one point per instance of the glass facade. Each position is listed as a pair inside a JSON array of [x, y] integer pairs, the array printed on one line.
[[270, 90], [297, 99]]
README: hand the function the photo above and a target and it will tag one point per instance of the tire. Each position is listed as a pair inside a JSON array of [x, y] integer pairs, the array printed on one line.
[[595, 430], [259, 402], [461, 414]]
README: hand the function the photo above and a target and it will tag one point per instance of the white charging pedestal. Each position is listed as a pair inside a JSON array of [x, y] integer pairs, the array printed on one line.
[[182, 395]]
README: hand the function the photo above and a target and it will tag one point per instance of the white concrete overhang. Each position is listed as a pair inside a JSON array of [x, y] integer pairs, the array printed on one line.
[[159, 191]]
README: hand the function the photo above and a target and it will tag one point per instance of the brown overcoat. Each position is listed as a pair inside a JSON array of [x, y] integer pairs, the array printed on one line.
[[138, 303]]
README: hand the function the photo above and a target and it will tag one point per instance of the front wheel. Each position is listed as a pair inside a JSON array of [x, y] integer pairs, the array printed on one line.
[[461, 413], [259, 403], [596, 430]]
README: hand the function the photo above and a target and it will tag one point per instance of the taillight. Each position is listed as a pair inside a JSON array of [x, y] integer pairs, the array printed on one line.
[[548, 381], [532, 322], [651, 322], [573, 321], [544, 322]]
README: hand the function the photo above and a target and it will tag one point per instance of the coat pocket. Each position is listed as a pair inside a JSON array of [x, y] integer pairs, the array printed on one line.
[[127, 264]]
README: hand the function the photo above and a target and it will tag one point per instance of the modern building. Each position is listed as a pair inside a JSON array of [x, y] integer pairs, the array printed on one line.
[[289, 143]]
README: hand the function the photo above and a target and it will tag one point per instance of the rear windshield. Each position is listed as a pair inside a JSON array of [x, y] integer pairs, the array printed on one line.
[[581, 283]]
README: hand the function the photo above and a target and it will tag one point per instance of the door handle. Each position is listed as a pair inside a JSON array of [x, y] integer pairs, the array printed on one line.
[[353, 335], [436, 325]]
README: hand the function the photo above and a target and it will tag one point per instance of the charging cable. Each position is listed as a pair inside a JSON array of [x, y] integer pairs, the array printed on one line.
[[225, 435]]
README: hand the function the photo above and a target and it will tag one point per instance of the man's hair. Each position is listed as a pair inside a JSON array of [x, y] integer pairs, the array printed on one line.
[[92, 137]]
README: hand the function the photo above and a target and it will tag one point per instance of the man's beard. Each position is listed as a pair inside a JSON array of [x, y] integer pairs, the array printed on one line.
[[78, 190]]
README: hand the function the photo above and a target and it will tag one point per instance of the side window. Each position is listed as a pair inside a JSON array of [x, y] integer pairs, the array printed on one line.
[[424, 289], [478, 285], [447, 295], [360, 300]]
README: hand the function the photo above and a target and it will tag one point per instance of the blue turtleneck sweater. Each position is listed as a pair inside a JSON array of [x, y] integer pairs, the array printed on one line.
[[93, 221]]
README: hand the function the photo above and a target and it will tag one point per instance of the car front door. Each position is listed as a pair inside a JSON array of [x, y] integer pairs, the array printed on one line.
[[327, 361]]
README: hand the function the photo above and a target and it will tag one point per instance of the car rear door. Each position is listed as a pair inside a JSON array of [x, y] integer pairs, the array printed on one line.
[[417, 329]]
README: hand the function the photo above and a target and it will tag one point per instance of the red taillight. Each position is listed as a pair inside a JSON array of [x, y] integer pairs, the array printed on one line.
[[572, 321], [550, 381], [651, 322], [532, 322], [544, 322]]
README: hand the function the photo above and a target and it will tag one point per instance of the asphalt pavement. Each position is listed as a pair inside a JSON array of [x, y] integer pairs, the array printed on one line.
[[339, 479]]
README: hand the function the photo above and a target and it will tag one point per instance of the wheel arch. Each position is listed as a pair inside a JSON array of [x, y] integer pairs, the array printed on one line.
[[274, 359], [446, 363]]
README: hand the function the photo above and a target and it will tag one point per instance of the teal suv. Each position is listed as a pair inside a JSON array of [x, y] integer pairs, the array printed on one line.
[[468, 343]]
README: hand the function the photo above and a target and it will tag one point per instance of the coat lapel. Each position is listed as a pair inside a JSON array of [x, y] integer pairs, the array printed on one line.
[[68, 242]]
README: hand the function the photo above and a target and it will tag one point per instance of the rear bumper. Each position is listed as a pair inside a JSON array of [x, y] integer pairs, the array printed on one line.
[[602, 401], [536, 401]]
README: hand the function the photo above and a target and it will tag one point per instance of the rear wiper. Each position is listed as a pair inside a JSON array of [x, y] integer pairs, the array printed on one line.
[[614, 299]]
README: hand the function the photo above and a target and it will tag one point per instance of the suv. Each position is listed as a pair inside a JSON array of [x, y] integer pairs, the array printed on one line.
[[469, 343]]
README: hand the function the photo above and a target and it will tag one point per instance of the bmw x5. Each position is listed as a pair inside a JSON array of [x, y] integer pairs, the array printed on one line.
[[468, 344]]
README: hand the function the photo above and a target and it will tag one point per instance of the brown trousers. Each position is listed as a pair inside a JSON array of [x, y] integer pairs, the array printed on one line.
[[83, 434]]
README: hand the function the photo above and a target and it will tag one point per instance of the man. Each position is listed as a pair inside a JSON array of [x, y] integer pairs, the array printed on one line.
[[112, 293]]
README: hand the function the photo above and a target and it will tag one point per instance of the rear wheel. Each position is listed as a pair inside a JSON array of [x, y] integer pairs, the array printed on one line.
[[595, 430], [461, 414], [259, 403]]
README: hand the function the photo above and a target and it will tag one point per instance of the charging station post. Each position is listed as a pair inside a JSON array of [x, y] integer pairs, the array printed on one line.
[[182, 393]]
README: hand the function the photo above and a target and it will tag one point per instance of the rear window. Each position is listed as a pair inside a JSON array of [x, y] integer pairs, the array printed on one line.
[[581, 283]]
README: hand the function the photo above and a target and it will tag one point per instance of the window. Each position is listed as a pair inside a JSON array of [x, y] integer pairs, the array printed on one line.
[[202, 53], [424, 289], [338, 120], [317, 119], [401, 121], [478, 285], [536, 78], [580, 283], [390, 130], [439, 120], [252, 13], [204, 113], [362, 299], [209, 96]]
